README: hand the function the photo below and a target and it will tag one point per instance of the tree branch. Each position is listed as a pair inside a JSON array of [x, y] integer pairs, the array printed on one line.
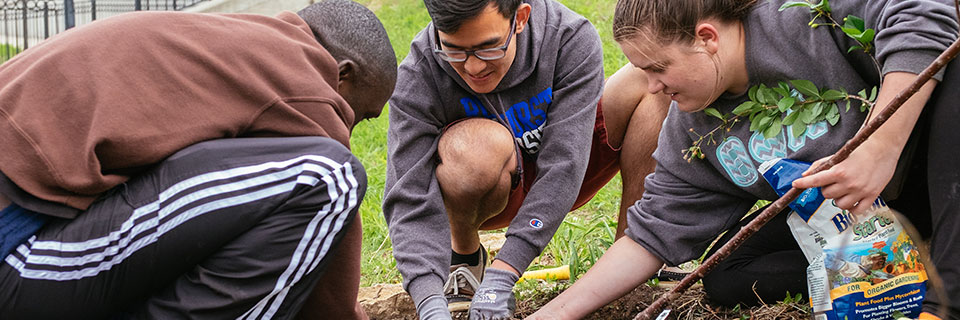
[[782, 202]]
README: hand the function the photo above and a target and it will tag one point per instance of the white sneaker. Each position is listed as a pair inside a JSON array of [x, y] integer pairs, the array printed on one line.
[[463, 282]]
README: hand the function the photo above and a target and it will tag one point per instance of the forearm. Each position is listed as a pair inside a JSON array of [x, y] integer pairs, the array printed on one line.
[[895, 132], [418, 229], [561, 166], [856, 182], [622, 268]]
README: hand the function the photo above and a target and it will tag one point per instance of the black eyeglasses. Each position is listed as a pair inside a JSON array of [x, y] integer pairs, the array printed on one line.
[[482, 54]]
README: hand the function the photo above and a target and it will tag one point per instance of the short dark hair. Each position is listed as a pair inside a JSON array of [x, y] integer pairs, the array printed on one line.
[[349, 30], [449, 15]]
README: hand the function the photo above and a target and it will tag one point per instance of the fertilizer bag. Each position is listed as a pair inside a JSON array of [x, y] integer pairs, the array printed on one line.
[[860, 267]]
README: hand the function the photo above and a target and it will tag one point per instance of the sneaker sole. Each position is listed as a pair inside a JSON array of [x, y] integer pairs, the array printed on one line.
[[458, 306]]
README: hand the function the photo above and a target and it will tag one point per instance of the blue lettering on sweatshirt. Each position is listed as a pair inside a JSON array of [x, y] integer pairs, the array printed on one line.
[[525, 118], [813, 132], [736, 161], [763, 149], [739, 163]]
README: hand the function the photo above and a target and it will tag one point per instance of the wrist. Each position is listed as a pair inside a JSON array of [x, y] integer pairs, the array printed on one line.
[[884, 147], [500, 265], [433, 307], [422, 287], [500, 279]]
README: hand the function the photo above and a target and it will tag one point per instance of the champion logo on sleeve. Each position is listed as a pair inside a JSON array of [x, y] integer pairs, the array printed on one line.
[[536, 223]]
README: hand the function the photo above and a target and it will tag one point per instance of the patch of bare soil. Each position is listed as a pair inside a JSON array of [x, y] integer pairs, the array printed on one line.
[[691, 305]]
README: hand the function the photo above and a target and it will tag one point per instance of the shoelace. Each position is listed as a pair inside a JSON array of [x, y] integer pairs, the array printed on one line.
[[460, 278]]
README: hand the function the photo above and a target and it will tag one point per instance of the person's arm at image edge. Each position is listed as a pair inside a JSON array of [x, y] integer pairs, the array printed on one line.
[[562, 161], [857, 181], [910, 35], [411, 199]]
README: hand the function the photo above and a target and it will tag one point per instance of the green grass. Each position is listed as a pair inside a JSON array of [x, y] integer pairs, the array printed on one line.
[[584, 235], [7, 51]]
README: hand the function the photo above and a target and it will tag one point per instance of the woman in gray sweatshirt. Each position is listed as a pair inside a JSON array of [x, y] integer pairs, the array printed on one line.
[[707, 54]]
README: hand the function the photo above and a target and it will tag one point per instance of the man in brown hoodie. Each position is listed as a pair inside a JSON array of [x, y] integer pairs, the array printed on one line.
[[186, 166]]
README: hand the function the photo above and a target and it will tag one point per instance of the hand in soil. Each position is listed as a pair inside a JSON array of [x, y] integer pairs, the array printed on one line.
[[494, 299], [433, 308]]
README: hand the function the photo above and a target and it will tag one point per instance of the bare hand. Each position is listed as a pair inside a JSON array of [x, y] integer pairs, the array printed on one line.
[[856, 182]]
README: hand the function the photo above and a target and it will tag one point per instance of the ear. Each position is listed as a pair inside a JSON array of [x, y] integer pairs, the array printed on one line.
[[708, 37], [348, 71], [523, 16]]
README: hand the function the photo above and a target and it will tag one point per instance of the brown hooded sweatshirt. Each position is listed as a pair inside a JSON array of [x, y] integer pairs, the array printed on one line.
[[85, 110]]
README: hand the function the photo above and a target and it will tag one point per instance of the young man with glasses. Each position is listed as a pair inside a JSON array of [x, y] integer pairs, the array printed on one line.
[[494, 123]]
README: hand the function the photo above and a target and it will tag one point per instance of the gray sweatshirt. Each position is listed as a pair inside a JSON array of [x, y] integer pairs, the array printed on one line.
[[686, 204], [548, 98]]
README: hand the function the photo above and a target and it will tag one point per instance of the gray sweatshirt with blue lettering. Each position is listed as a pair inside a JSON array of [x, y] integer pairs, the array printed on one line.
[[686, 204], [548, 98]]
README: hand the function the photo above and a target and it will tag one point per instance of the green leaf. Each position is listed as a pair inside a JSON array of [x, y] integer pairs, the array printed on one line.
[[762, 123], [744, 107], [784, 104], [791, 118], [867, 36], [863, 93], [782, 92], [855, 28], [833, 119], [817, 108], [873, 94], [653, 283], [853, 33], [784, 85], [798, 130], [755, 122], [832, 95], [753, 93], [854, 22], [848, 106], [795, 4], [767, 96], [774, 128], [833, 114], [806, 87], [807, 115], [824, 6], [713, 112]]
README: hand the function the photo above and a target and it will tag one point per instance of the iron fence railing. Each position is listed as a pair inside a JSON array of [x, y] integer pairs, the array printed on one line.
[[24, 23]]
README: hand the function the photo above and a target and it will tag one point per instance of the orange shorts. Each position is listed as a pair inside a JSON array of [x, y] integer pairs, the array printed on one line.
[[604, 164]]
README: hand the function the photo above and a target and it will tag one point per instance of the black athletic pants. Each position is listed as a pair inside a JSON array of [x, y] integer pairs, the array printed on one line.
[[224, 229]]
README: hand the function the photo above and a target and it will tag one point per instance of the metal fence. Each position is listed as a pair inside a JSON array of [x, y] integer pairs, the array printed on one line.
[[24, 23]]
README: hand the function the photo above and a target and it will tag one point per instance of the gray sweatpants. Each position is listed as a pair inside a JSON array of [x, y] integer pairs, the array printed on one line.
[[224, 229]]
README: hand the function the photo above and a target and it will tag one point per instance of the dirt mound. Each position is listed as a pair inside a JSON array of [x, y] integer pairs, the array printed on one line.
[[387, 301]]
